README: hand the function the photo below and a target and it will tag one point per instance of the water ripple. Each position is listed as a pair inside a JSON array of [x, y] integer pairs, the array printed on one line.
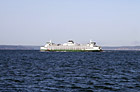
[[34, 71]]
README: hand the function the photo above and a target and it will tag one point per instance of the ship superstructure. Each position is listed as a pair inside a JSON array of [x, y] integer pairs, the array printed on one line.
[[71, 46]]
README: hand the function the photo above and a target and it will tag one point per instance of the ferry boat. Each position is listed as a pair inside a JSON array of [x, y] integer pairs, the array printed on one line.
[[71, 46]]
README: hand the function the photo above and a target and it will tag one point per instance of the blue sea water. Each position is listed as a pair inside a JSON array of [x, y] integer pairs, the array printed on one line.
[[35, 71]]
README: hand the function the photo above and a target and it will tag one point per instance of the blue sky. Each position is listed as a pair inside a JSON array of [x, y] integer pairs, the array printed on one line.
[[33, 22]]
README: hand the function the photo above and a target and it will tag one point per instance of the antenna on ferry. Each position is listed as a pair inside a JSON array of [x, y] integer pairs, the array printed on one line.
[[90, 40], [50, 41]]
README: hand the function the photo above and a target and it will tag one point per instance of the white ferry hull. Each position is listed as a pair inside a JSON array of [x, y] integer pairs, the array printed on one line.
[[71, 47]]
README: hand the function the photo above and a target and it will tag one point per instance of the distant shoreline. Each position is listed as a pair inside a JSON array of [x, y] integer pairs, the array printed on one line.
[[22, 47], [18, 47]]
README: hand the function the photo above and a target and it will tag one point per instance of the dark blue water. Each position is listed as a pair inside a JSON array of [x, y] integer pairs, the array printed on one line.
[[34, 71]]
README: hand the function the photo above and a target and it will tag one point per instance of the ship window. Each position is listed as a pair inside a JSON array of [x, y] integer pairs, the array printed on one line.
[[71, 41]]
